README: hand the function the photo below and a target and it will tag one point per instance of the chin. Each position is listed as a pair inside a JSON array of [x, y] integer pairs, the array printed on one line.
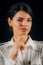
[[24, 33]]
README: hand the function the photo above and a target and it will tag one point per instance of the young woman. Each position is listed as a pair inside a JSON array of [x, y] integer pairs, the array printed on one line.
[[21, 49]]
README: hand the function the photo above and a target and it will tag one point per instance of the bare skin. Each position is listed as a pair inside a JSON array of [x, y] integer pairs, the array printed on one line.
[[21, 24]]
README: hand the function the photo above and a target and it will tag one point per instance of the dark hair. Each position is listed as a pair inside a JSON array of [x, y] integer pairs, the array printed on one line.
[[17, 7]]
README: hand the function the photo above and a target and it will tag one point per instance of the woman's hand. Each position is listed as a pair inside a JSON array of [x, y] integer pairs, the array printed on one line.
[[19, 44]]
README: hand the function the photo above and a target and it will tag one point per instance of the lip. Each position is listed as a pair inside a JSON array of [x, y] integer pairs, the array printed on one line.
[[24, 29]]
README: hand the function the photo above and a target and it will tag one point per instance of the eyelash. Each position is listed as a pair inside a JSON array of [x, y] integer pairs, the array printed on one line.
[[22, 20], [29, 20]]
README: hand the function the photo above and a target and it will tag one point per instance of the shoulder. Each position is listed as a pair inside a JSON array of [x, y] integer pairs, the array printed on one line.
[[38, 43], [5, 43], [4, 47]]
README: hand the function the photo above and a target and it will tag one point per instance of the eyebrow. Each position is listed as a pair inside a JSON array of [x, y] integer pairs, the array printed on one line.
[[23, 18], [20, 17]]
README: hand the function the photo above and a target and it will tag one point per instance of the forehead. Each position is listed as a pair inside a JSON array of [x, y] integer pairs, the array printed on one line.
[[22, 14]]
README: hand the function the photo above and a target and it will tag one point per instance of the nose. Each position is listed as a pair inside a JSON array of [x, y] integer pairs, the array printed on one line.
[[24, 23]]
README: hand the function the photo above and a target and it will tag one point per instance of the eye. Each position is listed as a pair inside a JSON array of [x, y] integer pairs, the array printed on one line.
[[29, 20], [20, 20]]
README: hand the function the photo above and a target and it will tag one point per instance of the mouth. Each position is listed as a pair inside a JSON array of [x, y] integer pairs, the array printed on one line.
[[24, 29]]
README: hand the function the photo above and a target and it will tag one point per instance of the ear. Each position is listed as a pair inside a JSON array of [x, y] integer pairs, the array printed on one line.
[[10, 22]]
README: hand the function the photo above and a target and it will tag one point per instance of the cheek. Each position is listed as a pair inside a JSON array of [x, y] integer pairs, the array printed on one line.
[[15, 26], [29, 26]]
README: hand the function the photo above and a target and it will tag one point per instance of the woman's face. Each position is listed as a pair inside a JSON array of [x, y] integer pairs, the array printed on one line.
[[21, 23]]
